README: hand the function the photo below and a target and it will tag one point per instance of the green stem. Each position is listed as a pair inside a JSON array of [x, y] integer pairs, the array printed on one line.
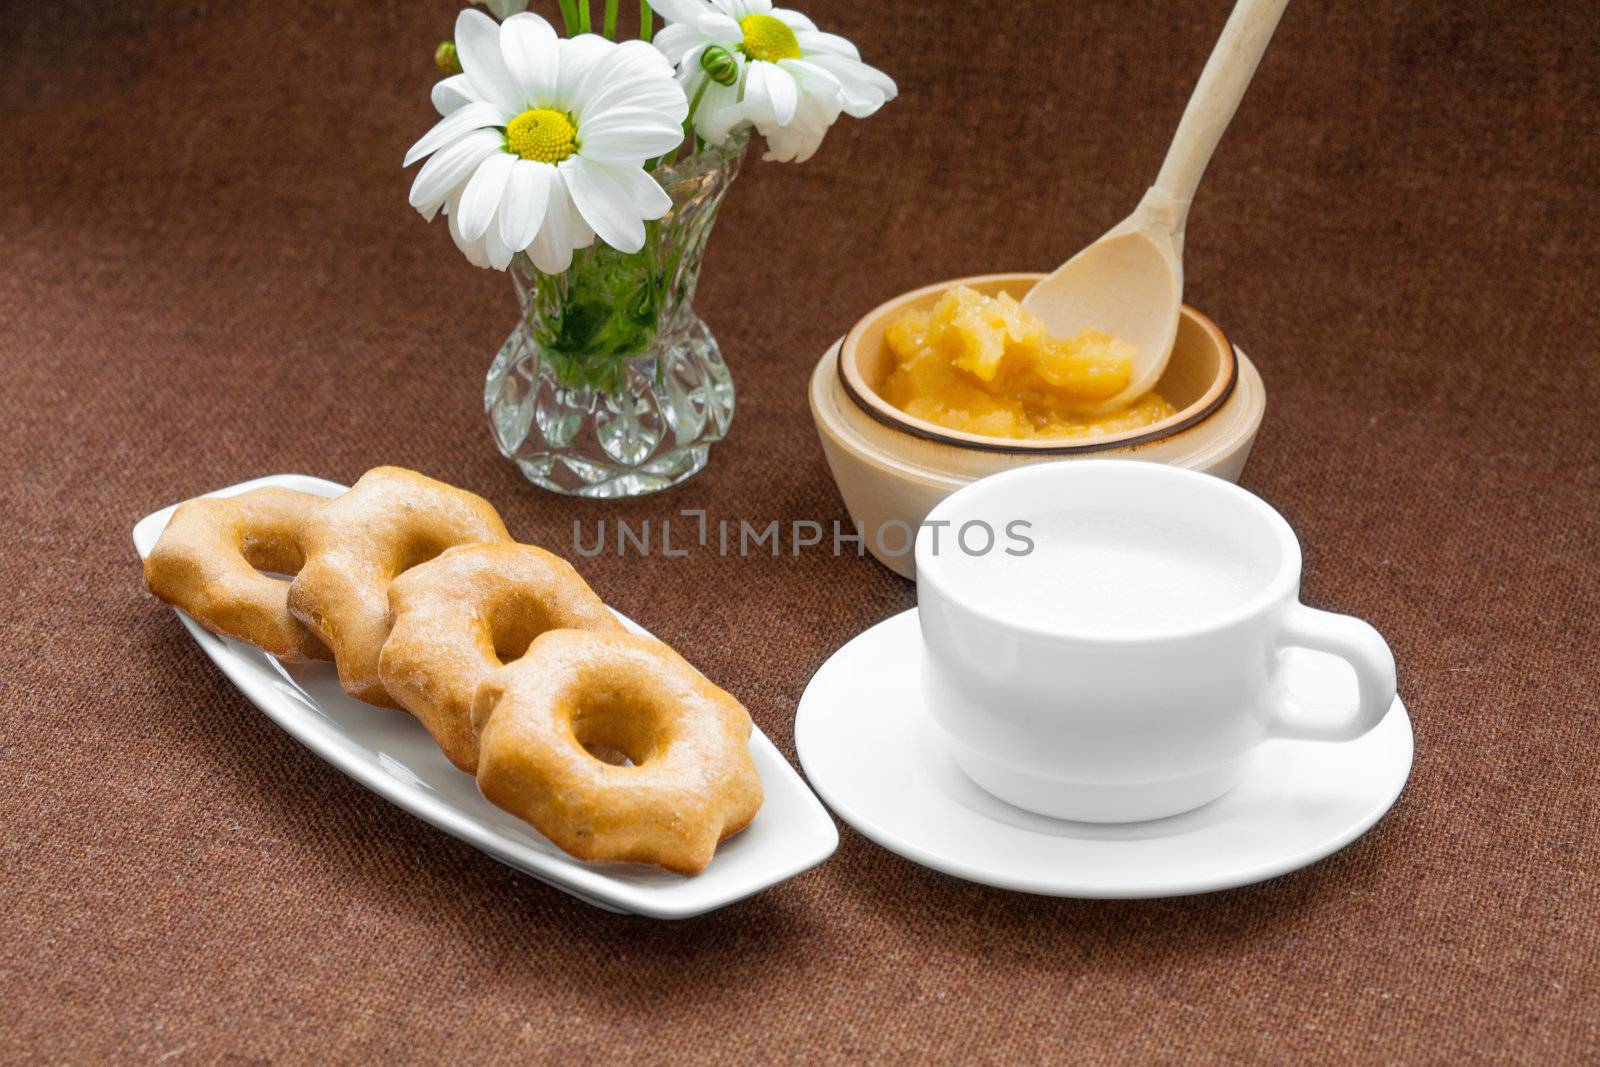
[[569, 15], [644, 21], [611, 20], [689, 136], [583, 16]]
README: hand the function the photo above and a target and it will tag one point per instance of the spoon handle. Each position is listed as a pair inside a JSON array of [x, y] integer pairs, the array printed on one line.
[[1216, 97]]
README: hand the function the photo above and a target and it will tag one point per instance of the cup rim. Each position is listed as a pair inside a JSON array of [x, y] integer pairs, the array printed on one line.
[[1281, 585]]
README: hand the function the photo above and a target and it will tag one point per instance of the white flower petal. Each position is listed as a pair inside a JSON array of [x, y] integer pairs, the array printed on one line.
[[817, 41], [634, 75], [480, 200], [799, 141], [657, 92], [443, 174], [454, 92], [792, 144], [523, 205], [475, 251], [865, 89], [563, 231], [720, 28], [529, 47], [678, 10], [582, 59], [770, 94], [714, 121], [499, 253], [718, 114], [689, 73], [676, 39], [478, 47], [818, 110], [793, 19], [638, 54], [628, 135], [605, 201], [461, 121], [648, 198], [809, 143], [814, 80], [626, 64]]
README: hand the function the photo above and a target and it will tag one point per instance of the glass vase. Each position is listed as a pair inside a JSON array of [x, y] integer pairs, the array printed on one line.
[[611, 385]]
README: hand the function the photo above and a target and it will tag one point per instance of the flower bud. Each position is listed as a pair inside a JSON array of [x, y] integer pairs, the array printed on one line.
[[445, 58], [720, 64]]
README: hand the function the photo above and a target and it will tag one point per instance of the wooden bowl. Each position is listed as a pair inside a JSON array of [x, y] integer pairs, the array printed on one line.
[[892, 468]]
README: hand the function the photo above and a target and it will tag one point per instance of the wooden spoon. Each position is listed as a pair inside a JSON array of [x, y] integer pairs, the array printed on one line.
[[1129, 283]]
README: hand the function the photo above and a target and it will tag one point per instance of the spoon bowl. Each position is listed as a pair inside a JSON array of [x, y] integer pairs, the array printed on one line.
[[1127, 285]]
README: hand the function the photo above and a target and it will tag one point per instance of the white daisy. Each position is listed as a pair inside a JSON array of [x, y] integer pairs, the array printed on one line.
[[786, 77], [543, 142]]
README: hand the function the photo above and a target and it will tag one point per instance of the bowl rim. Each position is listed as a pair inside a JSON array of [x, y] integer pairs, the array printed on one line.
[[869, 401]]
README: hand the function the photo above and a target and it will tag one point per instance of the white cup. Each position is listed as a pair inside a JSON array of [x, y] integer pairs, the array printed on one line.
[[1123, 667]]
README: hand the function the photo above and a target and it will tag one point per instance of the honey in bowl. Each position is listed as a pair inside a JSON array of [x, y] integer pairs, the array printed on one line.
[[983, 365]]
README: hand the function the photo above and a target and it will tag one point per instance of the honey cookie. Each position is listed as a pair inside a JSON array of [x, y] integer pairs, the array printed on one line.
[[690, 781], [460, 617], [216, 560], [390, 521]]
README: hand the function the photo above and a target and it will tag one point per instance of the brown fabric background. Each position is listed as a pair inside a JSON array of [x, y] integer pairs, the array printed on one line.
[[208, 272]]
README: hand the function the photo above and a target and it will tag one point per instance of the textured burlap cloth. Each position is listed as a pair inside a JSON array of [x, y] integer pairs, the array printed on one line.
[[208, 272]]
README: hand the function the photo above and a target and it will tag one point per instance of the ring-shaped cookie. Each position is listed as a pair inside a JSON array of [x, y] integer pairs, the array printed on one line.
[[216, 560], [691, 782], [390, 521], [461, 616]]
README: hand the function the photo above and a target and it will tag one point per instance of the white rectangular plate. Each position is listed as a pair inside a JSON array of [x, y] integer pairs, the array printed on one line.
[[391, 754]]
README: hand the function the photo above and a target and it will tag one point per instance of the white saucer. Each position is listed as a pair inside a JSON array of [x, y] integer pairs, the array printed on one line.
[[391, 754], [875, 756]]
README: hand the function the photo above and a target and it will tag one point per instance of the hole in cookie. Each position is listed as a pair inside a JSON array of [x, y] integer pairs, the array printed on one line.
[[275, 557], [515, 622], [613, 728], [606, 754]]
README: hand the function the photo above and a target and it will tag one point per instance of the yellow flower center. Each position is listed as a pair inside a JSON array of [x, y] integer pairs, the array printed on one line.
[[543, 134], [768, 38]]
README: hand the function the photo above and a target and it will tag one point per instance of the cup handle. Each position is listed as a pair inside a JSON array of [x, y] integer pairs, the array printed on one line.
[[1359, 645]]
